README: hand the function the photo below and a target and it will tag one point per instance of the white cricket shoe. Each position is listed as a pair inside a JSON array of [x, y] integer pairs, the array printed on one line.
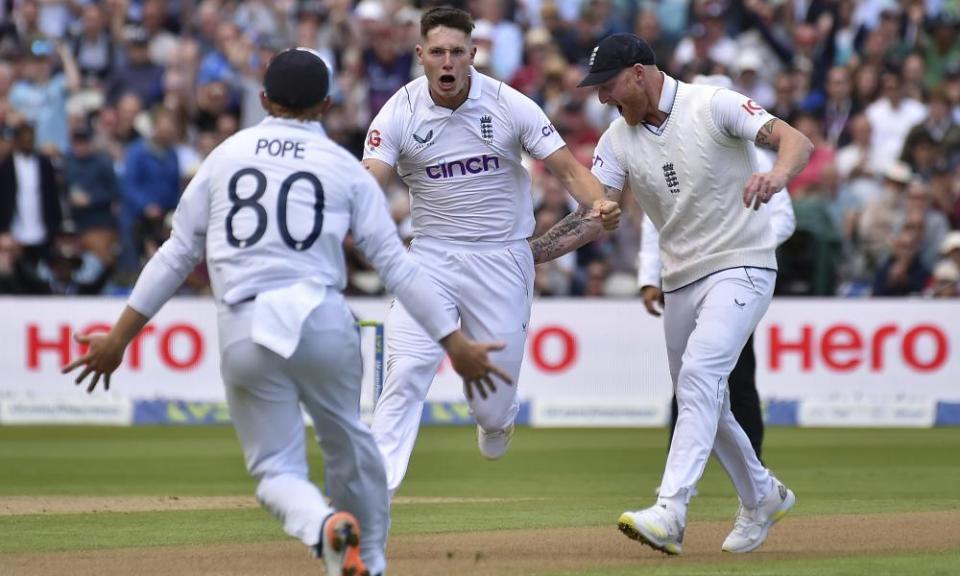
[[656, 527], [752, 524], [339, 546], [493, 445]]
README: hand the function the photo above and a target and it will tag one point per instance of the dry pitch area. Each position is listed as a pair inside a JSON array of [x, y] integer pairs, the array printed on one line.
[[496, 553]]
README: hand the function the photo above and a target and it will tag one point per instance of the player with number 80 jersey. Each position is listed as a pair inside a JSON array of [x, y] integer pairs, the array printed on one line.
[[272, 219]]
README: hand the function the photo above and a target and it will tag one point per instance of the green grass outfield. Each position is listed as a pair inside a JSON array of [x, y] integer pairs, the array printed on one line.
[[559, 478]]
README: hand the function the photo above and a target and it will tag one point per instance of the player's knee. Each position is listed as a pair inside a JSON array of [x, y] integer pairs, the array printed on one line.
[[493, 420], [699, 385]]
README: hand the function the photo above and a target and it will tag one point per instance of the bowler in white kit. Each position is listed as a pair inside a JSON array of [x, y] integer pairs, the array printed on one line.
[[685, 151], [271, 206], [455, 138]]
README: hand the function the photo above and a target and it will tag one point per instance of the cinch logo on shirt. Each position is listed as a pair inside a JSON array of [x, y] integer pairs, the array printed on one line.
[[474, 165]]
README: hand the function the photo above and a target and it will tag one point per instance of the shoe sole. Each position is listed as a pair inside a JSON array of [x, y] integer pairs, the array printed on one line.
[[343, 537], [782, 511], [645, 535]]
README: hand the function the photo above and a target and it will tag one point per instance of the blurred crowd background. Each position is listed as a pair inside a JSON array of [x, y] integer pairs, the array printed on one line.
[[108, 107]]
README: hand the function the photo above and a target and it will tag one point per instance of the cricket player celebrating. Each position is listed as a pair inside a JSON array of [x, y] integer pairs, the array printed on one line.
[[271, 206], [684, 148], [744, 399], [455, 137]]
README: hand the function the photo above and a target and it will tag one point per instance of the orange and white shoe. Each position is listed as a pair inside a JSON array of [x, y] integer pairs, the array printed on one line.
[[340, 545]]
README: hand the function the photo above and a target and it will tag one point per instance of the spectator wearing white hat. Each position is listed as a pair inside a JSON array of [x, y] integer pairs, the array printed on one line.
[[881, 214], [945, 282], [747, 68], [950, 247]]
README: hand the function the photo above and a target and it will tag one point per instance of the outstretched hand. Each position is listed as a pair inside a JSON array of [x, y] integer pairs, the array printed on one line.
[[103, 356], [472, 362], [609, 213]]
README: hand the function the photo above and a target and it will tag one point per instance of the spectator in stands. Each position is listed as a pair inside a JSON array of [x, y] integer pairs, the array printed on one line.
[[932, 223], [945, 281], [30, 213], [506, 37], [708, 41], [151, 185], [6, 141], [880, 215], [902, 273], [93, 47], [922, 155], [823, 154], [92, 192], [839, 107], [785, 90], [216, 66], [18, 34], [912, 71], [853, 162], [866, 85], [386, 67], [68, 271], [563, 35], [938, 128], [163, 44], [138, 75], [595, 277], [747, 79], [213, 100], [950, 247], [941, 48], [891, 118], [529, 78], [41, 96]]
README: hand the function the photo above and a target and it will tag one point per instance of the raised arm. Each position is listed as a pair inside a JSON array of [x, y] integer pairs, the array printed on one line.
[[582, 226]]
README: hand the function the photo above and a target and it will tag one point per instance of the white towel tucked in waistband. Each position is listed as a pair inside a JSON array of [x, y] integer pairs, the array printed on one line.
[[278, 315]]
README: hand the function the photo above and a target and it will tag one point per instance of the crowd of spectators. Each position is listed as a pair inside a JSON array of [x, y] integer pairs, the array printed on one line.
[[108, 107]]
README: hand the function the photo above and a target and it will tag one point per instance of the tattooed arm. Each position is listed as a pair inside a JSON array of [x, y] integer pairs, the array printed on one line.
[[792, 147], [578, 228], [793, 151]]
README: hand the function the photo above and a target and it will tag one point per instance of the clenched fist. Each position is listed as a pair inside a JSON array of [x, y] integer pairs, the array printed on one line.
[[609, 213]]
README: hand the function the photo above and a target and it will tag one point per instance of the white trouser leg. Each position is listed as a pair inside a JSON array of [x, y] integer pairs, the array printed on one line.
[[412, 359], [495, 306], [264, 392], [727, 306], [751, 480]]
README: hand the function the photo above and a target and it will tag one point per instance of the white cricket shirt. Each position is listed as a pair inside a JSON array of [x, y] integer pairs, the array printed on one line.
[[688, 175], [463, 167], [271, 205]]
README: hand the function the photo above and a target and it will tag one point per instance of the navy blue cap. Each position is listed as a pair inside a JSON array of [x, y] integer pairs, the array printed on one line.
[[613, 54], [297, 78]]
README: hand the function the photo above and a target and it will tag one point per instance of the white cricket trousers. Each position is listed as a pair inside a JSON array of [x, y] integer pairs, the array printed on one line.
[[488, 287], [707, 324], [264, 393]]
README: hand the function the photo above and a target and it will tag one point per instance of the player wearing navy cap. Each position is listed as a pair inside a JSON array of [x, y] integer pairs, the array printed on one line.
[[686, 152], [271, 206]]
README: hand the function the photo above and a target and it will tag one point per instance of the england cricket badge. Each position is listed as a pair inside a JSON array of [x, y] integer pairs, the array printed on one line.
[[486, 129]]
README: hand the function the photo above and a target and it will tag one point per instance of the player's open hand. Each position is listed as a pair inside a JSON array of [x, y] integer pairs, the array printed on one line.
[[609, 213], [471, 361], [102, 358], [761, 187]]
